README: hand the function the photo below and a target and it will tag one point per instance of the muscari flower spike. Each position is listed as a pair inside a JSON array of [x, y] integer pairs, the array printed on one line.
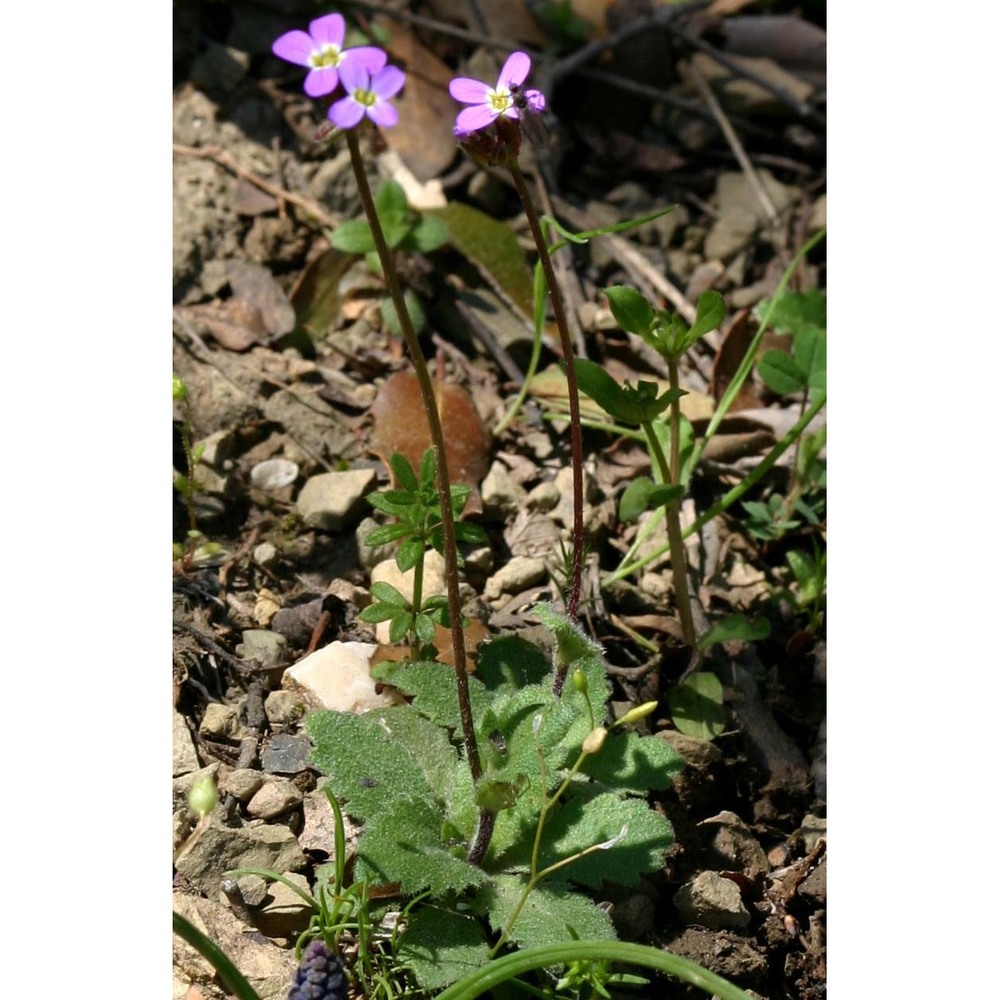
[[320, 975], [367, 94], [506, 100], [321, 50]]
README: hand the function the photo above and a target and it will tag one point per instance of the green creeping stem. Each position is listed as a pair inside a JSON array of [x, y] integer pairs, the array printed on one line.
[[564, 953], [228, 973]]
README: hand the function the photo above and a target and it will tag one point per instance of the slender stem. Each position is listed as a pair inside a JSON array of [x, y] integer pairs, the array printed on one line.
[[740, 489], [576, 436], [437, 437], [678, 563]]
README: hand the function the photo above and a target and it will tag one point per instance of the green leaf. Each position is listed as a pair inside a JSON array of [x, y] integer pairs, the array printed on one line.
[[387, 594], [413, 306], [427, 235], [390, 198], [631, 310], [643, 494], [509, 662], [387, 533], [400, 625], [467, 531], [810, 353], [696, 706], [423, 625], [736, 627], [403, 473], [781, 373], [352, 236], [551, 914], [441, 946], [409, 554], [710, 314], [367, 767], [432, 687], [586, 821], [378, 612], [404, 845], [633, 763], [795, 312], [491, 245]]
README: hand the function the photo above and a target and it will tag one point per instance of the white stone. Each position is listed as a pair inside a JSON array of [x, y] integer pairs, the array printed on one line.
[[337, 677], [332, 499]]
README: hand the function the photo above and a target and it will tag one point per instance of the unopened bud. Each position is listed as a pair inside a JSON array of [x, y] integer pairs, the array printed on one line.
[[203, 796], [179, 388], [637, 713], [580, 681], [595, 740]]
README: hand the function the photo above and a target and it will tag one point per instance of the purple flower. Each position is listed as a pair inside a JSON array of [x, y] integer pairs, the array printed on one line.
[[507, 98], [367, 95], [321, 50]]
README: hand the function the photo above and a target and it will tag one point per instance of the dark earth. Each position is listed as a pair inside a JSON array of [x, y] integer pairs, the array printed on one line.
[[715, 108]]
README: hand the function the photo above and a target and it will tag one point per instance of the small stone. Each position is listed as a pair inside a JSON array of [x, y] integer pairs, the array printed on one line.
[[216, 449], [262, 646], [712, 901], [266, 606], [273, 474], [282, 708], [252, 889], [265, 554], [733, 846], [813, 829], [276, 797], [219, 68], [337, 677], [185, 756], [319, 825], [221, 722], [696, 752], [813, 886], [331, 500], [635, 917], [220, 848], [519, 573], [479, 561], [242, 782], [284, 913], [284, 754], [543, 497], [372, 555], [501, 494]]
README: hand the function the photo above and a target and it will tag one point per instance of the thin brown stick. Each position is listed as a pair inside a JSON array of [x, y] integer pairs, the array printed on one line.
[[705, 91], [224, 159]]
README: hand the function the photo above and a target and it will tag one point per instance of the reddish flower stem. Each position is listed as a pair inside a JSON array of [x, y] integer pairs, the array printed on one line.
[[576, 435], [480, 842]]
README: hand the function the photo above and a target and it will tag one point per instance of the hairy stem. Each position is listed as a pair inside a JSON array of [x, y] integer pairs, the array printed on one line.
[[437, 438], [576, 435]]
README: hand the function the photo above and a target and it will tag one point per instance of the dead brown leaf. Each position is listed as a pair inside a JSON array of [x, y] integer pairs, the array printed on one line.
[[400, 425]]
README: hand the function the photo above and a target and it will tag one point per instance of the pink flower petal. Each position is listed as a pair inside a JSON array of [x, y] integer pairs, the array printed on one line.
[[372, 58], [467, 90], [388, 82], [328, 30], [354, 75], [346, 113], [515, 70], [474, 118], [321, 81], [383, 114], [535, 99], [295, 47]]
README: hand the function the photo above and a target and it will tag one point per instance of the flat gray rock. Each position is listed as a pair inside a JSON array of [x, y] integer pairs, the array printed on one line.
[[286, 754], [331, 500], [712, 901]]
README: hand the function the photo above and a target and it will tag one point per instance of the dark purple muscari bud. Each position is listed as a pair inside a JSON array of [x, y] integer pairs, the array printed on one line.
[[320, 975]]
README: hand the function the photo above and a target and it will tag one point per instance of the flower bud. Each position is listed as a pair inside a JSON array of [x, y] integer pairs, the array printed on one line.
[[637, 713], [595, 740], [203, 796], [179, 388], [580, 681]]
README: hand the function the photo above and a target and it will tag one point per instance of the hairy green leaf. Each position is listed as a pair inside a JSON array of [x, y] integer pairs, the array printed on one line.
[[633, 763], [781, 373], [442, 946], [551, 914]]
